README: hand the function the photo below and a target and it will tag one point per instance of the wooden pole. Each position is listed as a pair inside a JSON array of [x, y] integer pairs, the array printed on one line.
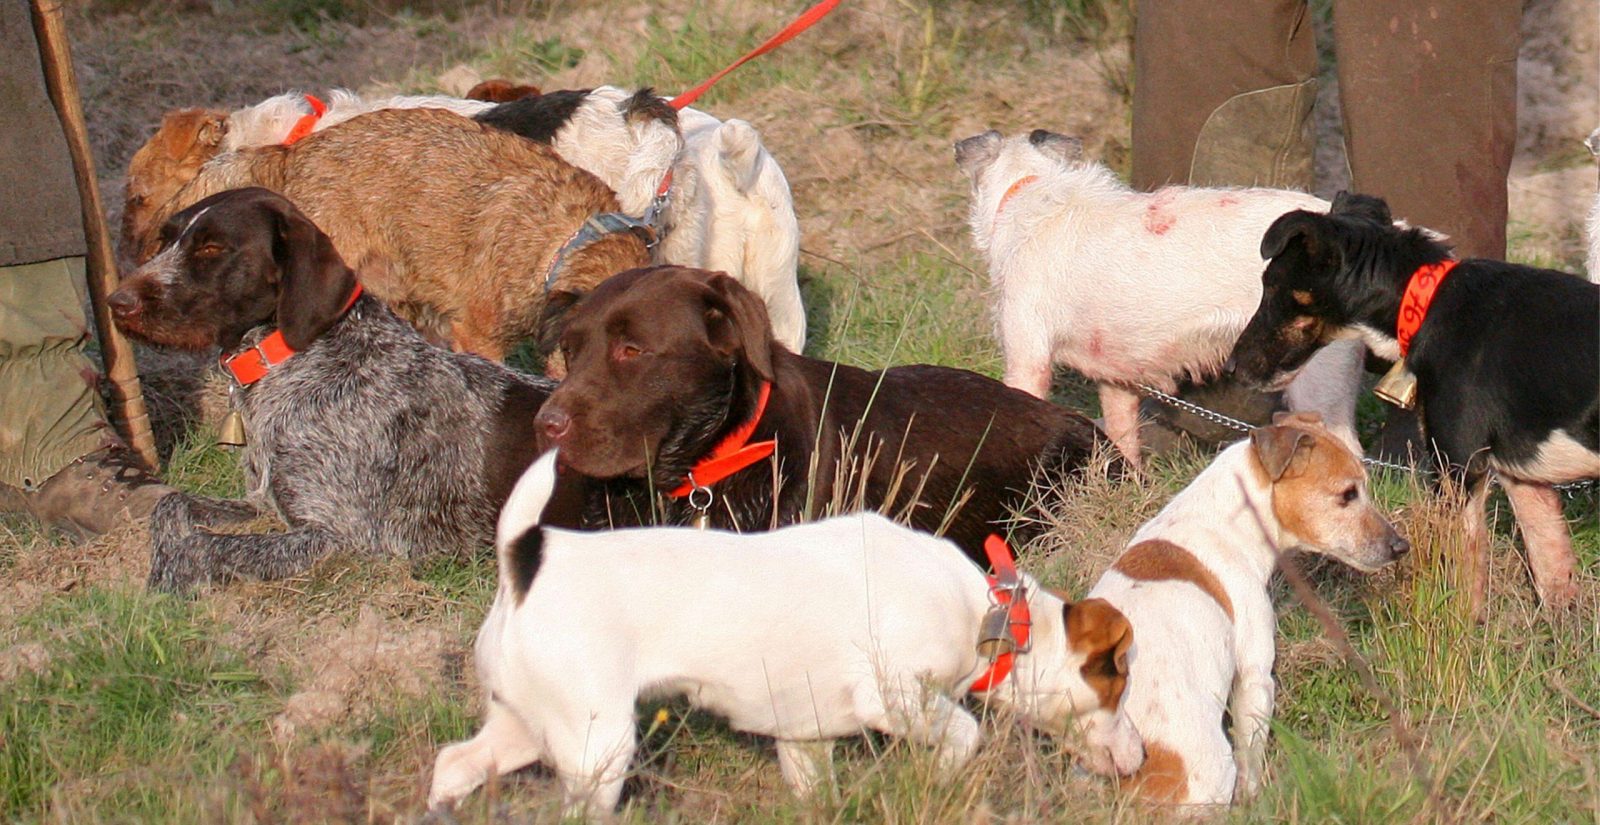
[[128, 408]]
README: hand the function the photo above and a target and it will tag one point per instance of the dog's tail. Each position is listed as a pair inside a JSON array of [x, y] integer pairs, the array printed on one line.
[[519, 540]]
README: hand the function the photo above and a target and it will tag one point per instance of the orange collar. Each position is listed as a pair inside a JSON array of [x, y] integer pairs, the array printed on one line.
[[1419, 295], [250, 365], [1012, 191], [306, 123], [732, 454], [1006, 587]]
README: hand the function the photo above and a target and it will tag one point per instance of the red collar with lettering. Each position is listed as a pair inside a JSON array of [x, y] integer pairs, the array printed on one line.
[[1002, 585], [306, 123], [250, 365], [1419, 294], [732, 454], [1012, 191]]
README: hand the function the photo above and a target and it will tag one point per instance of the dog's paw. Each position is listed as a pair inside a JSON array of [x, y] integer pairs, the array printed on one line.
[[178, 558]]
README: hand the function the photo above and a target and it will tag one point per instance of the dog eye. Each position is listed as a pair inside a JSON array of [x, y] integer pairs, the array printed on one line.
[[1302, 297], [1349, 496], [625, 352], [208, 250]]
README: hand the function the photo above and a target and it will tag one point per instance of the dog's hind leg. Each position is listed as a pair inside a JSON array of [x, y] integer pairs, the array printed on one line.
[[807, 764], [592, 755], [1544, 532], [501, 746], [1120, 406], [930, 718]]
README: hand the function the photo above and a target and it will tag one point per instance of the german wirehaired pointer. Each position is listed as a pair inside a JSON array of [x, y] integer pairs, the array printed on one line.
[[361, 435], [1506, 358], [674, 373], [806, 634], [1127, 287]]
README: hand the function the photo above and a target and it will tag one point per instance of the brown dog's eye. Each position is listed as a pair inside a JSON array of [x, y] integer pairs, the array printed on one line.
[[208, 250], [1302, 297], [1349, 496], [624, 352]]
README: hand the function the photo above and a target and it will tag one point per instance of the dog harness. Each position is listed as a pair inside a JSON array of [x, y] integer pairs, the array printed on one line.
[[731, 455], [306, 123], [1419, 295], [252, 363], [1010, 602]]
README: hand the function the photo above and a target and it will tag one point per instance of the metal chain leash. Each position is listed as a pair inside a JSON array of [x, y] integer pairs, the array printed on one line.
[[1244, 427]]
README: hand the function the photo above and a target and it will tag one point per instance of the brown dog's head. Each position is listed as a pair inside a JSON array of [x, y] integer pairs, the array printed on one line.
[[232, 262], [1319, 493], [164, 164], [661, 362]]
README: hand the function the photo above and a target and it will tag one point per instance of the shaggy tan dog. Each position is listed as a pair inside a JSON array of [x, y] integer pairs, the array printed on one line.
[[455, 225]]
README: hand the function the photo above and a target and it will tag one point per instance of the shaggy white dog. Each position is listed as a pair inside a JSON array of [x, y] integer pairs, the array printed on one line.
[[1592, 263], [1125, 287]]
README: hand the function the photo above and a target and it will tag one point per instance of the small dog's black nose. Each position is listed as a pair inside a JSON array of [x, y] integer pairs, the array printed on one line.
[[554, 423], [1230, 365], [122, 302], [1398, 546]]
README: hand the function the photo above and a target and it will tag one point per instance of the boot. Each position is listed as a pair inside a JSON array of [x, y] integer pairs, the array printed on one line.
[[97, 492]]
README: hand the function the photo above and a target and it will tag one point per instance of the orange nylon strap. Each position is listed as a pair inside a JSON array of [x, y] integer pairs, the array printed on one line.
[[800, 24], [1012, 191], [1419, 295], [1019, 616], [306, 123], [250, 365], [732, 454]]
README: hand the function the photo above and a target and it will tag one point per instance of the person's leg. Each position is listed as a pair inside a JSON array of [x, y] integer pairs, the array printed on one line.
[[1429, 96], [59, 458], [1222, 93]]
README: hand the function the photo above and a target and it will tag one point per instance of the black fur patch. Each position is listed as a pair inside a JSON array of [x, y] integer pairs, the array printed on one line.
[[536, 118], [527, 553], [647, 105]]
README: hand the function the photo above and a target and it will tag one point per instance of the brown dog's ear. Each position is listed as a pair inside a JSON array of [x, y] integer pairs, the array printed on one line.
[[185, 131], [315, 283], [1298, 224], [1277, 445], [1097, 629], [553, 317], [736, 322]]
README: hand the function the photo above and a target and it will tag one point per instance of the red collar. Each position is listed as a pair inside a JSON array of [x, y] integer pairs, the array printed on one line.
[[1419, 294], [732, 454], [1012, 191], [1002, 586], [250, 365], [306, 123]]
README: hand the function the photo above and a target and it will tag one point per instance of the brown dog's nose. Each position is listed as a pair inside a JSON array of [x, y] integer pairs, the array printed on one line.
[[122, 302], [1398, 546], [554, 423]]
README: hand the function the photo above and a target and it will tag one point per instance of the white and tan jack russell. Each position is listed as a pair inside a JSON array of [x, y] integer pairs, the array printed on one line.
[[1193, 581], [804, 634]]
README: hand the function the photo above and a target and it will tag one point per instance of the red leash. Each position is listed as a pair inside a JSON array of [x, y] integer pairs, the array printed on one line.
[[800, 24]]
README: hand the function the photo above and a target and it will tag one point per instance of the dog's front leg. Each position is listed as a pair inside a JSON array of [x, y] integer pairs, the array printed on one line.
[[1544, 532], [807, 765], [1251, 708], [1475, 544], [183, 556], [1120, 406], [502, 746]]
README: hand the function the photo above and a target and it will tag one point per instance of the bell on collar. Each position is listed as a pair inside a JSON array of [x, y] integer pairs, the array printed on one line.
[[1398, 386], [231, 433], [994, 633]]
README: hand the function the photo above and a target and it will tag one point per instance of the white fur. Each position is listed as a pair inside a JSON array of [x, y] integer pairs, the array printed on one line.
[[1188, 663], [269, 121], [1592, 263], [805, 634], [730, 211], [1081, 279]]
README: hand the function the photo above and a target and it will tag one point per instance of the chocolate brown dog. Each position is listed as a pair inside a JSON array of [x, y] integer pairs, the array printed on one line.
[[665, 363]]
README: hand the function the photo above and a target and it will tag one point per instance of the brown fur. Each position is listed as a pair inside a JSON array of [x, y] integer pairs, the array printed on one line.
[[1309, 468], [1163, 777], [163, 165], [500, 90], [1159, 560], [451, 223], [1102, 634]]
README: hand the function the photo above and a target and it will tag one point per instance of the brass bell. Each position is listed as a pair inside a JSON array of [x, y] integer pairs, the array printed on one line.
[[1398, 386], [994, 633], [231, 433]]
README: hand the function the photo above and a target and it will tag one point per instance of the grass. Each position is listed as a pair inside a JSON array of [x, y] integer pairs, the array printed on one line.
[[121, 706]]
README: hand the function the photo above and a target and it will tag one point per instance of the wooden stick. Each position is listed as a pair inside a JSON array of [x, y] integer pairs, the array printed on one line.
[[127, 399]]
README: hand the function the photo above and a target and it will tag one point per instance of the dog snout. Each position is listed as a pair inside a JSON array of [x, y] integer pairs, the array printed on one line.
[[1230, 365], [554, 423], [123, 303], [1398, 546]]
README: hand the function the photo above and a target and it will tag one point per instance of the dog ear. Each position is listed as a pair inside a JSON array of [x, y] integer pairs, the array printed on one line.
[[315, 283], [1100, 630], [975, 153], [186, 130], [1362, 206], [1288, 227], [553, 317], [739, 150], [1276, 447], [1060, 147], [736, 322]]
